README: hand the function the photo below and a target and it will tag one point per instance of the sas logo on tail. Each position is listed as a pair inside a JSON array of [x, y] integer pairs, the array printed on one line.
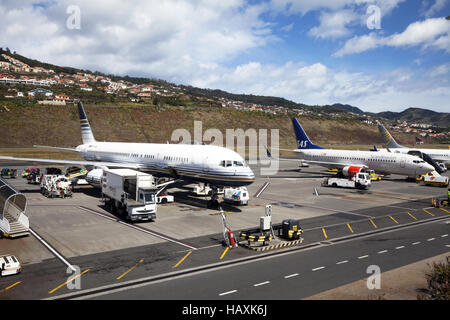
[[302, 144]]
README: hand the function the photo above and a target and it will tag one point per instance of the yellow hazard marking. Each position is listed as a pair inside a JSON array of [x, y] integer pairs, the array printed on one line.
[[412, 216], [373, 223], [324, 233], [70, 280], [428, 212], [393, 219], [445, 210], [179, 262], [223, 254], [351, 230], [13, 285], [132, 268]]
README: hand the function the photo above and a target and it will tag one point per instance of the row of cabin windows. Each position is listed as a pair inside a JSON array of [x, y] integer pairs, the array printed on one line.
[[359, 159]]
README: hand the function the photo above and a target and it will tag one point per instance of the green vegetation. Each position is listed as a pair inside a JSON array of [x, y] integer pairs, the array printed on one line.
[[438, 286]]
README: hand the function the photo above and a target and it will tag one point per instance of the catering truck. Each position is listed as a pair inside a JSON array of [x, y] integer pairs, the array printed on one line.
[[358, 181], [130, 194]]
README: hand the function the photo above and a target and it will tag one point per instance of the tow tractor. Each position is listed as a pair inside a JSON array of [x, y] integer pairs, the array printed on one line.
[[373, 176], [359, 181]]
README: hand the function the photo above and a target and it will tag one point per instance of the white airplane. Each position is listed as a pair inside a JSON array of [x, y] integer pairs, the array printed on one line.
[[213, 165], [349, 162], [438, 155]]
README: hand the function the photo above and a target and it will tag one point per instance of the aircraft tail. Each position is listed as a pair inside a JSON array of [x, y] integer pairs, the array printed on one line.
[[388, 140], [303, 141], [86, 132]]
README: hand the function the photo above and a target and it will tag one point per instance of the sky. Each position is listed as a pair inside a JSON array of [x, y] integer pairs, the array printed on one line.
[[378, 55]]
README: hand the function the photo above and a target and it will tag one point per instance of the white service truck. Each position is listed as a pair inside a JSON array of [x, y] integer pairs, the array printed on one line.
[[359, 181], [130, 194], [236, 195]]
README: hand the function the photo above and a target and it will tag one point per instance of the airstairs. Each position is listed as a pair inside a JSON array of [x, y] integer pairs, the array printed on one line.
[[13, 219]]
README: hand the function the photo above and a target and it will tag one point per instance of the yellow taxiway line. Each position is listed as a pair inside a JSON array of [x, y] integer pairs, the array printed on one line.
[[71, 279], [324, 233], [373, 223], [412, 216], [223, 254], [132, 268], [393, 219], [13, 285], [428, 212], [179, 262], [445, 210], [351, 230]]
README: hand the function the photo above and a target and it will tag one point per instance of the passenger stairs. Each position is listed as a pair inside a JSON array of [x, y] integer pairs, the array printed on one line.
[[13, 220]]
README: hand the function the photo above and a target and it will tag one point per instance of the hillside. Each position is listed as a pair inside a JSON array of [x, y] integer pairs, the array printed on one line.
[[439, 119], [59, 126]]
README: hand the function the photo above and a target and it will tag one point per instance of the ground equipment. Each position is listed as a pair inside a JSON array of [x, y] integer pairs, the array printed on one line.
[[130, 194], [358, 181], [8, 173], [237, 196], [54, 186]]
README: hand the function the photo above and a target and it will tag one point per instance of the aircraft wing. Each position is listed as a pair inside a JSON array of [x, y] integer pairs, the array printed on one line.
[[335, 164], [75, 162]]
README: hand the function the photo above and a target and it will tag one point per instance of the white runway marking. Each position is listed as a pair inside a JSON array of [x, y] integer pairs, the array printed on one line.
[[228, 292], [319, 268], [416, 243], [291, 275], [431, 239], [363, 257], [261, 284], [401, 247], [341, 262], [383, 251]]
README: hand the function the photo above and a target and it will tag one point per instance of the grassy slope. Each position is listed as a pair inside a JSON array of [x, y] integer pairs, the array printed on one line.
[[25, 126]]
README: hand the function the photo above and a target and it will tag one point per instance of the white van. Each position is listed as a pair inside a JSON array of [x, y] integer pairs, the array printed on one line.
[[236, 195], [9, 265]]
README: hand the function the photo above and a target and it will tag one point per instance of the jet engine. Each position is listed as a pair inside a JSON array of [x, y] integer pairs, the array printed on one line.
[[94, 177], [351, 171]]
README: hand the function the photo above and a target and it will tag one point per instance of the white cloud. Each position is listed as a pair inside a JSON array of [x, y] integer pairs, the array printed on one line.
[[437, 6], [433, 32], [333, 24]]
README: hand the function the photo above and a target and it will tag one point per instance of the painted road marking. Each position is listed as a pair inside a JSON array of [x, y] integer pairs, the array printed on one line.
[[445, 210], [291, 275], [179, 262], [70, 280], [223, 254], [324, 233], [373, 223], [11, 286], [393, 219], [383, 251], [129, 270], [431, 239], [401, 247], [428, 212], [261, 284], [444, 235], [228, 292], [351, 230], [414, 243], [363, 257], [341, 262], [319, 268], [412, 216]]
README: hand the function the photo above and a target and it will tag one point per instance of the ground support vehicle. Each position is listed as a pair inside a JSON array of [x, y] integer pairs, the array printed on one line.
[[358, 181]]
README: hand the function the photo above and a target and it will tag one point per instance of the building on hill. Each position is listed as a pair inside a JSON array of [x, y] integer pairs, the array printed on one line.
[[39, 92]]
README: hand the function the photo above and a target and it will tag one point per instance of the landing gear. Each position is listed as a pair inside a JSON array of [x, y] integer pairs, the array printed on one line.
[[214, 202]]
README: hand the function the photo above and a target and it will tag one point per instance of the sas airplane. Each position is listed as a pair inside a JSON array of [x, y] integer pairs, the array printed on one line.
[[349, 162], [438, 155], [213, 165]]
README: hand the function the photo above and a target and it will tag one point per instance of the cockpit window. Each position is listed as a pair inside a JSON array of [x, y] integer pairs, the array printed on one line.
[[238, 164]]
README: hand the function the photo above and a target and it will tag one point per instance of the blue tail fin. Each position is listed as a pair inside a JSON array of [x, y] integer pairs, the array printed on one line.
[[303, 141], [86, 132]]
